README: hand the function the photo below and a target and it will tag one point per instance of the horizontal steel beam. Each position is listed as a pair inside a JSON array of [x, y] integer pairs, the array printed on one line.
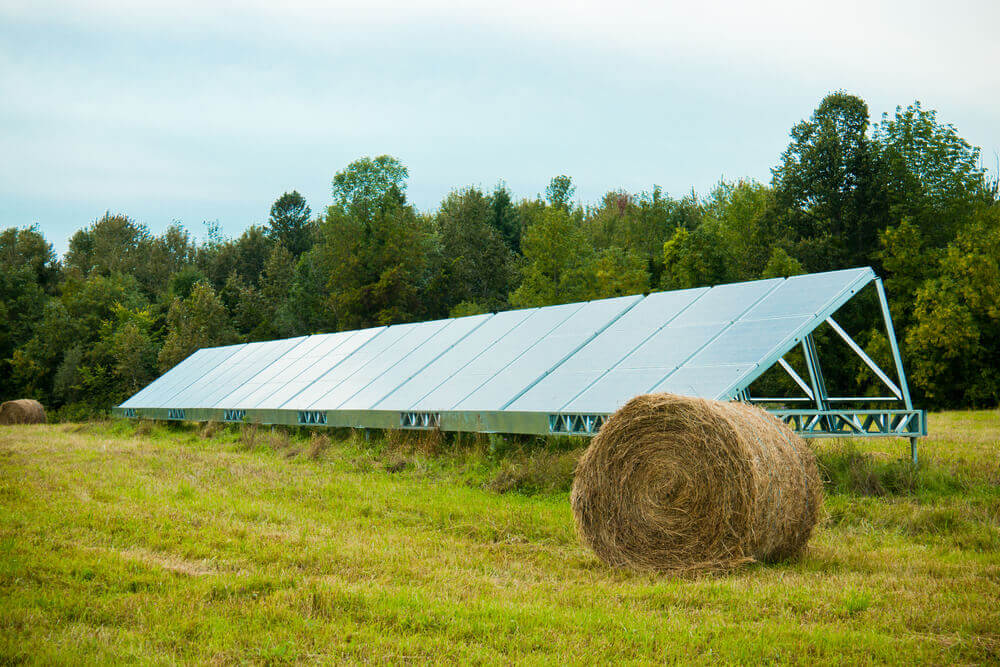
[[807, 423], [835, 423]]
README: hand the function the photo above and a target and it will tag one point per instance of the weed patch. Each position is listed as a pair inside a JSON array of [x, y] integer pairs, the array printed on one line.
[[847, 469], [539, 472]]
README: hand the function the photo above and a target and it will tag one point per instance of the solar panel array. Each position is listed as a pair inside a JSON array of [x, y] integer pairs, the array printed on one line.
[[588, 357]]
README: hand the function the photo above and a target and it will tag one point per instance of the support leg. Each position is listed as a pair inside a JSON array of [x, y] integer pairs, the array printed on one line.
[[913, 450]]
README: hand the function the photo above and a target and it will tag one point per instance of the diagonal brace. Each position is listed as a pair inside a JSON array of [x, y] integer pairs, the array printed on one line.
[[795, 376], [865, 358]]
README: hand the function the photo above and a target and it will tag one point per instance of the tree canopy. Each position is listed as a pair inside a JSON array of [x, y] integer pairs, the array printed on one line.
[[907, 195]]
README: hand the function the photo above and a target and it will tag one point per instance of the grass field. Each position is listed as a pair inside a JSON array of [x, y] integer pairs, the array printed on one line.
[[141, 542]]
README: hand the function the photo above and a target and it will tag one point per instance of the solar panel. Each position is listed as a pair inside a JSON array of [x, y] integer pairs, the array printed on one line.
[[776, 322], [298, 373], [711, 313], [242, 396], [605, 350], [382, 364], [409, 395], [180, 376], [229, 376], [494, 371], [382, 351], [545, 354], [411, 364], [496, 357]]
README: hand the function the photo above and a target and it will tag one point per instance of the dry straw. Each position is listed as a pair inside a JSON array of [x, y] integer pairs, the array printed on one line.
[[678, 484], [22, 411]]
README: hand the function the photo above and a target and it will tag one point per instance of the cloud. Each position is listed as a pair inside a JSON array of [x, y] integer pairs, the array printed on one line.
[[214, 109]]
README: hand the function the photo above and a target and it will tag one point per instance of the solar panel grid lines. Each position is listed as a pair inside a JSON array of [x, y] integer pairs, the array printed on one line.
[[268, 381], [777, 316], [545, 352], [220, 356], [368, 362], [575, 350], [253, 367], [356, 390], [230, 376], [857, 279], [237, 394], [289, 396], [607, 350], [213, 377], [167, 395], [412, 364], [766, 287], [667, 349], [523, 353], [489, 361], [175, 375], [180, 373], [409, 394]]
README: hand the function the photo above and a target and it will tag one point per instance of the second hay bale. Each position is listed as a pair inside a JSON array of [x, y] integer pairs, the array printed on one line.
[[22, 411], [673, 483]]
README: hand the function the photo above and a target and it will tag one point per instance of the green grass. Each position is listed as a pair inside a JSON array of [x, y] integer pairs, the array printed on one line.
[[124, 542]]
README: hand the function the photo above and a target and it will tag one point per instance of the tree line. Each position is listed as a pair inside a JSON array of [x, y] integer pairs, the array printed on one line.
[[906, 195]]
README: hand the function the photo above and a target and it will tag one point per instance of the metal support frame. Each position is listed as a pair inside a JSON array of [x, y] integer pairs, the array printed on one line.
[[897, 358], [828, 421], [827, 416], [816, 378]]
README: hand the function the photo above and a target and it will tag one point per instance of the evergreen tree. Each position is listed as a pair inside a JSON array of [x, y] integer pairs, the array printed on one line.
[[289, 223]]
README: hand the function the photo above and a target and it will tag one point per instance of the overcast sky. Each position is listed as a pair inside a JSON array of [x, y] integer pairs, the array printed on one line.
[[194, 111]]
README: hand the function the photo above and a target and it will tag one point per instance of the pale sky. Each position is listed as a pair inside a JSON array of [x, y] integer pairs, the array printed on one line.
[[197, 110]]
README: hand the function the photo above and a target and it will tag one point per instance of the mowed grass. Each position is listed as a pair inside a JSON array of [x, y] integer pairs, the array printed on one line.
[[152, 543]]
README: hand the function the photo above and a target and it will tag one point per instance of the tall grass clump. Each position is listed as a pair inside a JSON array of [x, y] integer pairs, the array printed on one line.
[[846, 469]]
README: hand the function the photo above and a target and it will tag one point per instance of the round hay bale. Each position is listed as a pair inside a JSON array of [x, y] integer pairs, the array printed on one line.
[[674, 484], [22, 411]]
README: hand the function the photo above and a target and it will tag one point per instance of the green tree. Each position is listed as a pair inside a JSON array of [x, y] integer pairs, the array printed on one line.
[[118, 244], [181, 283], [275, 287], [26, 247], [377, 271], [781, 265], [641, 224], [505, 217], [289, 223], [245, 255], [936, 177], [743, 215], [908, 262], [563, 265], [28, 275], [169, 253], [307, 309], [198, 321], [476, 264], [695, 259], [134, 351], [112, 244], [560, 191], [361, 188], [374, 253], [831, 186], [77, 317], [557, 261], [618, 272], [954, 343]]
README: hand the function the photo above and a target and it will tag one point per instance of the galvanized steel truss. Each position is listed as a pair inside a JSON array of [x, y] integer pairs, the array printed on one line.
[[825, 421]]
